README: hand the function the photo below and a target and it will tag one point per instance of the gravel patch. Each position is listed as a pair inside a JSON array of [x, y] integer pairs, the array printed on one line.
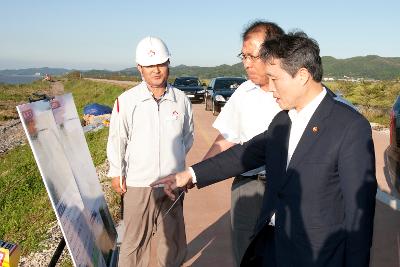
[[11, 135], [48, 247]]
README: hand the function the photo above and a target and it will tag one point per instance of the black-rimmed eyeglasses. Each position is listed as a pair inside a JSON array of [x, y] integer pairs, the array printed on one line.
[[243, 57]]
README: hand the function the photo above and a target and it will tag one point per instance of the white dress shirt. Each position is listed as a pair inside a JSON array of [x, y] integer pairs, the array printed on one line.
[[248, 112], [299, 123]]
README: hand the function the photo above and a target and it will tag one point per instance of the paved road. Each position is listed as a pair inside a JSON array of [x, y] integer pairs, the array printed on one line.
[[207, 210]]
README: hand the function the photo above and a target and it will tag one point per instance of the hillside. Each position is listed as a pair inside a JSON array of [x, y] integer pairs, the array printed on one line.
[[33, 71], [373, 67], [368, 67]]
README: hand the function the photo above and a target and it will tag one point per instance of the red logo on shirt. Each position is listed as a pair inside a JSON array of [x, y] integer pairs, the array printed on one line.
[[175, 115]]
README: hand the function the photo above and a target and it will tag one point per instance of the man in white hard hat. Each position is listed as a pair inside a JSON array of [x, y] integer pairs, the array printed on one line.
[[151, 131]]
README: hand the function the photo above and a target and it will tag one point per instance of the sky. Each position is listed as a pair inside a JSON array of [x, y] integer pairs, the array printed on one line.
[[103, 34]]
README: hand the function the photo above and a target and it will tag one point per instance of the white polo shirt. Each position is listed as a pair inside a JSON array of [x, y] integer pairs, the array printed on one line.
[[247, 113]]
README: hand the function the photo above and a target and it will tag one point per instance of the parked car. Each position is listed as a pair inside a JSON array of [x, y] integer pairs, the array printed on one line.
[[191, 86], [219, 91], [392, 153]]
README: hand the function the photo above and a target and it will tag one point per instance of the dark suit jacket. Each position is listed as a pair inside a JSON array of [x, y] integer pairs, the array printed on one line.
[[325, 201]]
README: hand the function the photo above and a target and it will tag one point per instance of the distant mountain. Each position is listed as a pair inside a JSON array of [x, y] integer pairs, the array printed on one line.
[[209, 72], [33, 71], [369, 67], [203, 72], [372, 66]]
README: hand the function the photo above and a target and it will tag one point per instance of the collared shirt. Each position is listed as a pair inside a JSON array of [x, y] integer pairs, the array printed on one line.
[[299, 122], [154, 138], [158, 100], [247, 113]]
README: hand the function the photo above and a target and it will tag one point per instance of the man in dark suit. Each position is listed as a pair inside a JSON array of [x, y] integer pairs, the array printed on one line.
[[319, 203]]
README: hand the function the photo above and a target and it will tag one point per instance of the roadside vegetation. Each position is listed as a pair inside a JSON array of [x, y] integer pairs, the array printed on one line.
[[12, 95], [25, 209], [86, 92], [374, 99]]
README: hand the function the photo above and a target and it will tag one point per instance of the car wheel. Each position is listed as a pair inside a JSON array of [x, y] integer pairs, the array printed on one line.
[[214, 109]]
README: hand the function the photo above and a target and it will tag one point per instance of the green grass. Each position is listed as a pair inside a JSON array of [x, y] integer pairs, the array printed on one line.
[[20, 92], [86, 92], [12, 95], [375, 99], [24, 204], [25, 209], [97, 142]]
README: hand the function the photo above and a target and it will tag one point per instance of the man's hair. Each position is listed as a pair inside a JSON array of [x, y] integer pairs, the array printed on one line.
[[270, 29], [295, 50]]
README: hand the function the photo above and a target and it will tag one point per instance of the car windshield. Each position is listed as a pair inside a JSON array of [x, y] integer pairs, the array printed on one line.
[[186, 82], [228, 84]]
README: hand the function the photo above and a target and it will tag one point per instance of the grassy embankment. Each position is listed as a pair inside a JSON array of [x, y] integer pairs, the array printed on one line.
[[12, 95], [374, 99], [25, 210]]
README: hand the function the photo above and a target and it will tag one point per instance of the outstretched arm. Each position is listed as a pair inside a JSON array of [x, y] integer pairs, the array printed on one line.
[[236, 160], [174, 181]]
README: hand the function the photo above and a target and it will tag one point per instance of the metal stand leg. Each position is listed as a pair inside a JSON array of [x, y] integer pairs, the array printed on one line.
[[57, 253]]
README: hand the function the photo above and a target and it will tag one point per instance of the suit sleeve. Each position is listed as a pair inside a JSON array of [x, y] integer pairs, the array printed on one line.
[[234, 161], [356, 168]]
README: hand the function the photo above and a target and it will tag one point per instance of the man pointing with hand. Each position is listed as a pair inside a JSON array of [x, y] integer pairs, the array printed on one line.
[[319, 199]]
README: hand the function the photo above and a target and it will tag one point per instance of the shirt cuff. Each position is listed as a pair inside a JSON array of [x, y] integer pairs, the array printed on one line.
[[194, 179], [272, 221]]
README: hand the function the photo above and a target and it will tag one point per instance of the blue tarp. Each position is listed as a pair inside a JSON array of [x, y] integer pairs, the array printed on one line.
[[96, 109]]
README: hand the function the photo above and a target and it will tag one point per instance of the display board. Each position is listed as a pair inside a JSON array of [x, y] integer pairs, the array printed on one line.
[[58, 143]]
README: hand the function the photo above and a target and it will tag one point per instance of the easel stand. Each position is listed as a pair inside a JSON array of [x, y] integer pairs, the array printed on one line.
[[57, 253]]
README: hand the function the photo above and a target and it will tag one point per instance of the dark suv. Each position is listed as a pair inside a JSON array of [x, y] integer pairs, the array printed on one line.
[[191, 87], [393, 151], [219, 91]]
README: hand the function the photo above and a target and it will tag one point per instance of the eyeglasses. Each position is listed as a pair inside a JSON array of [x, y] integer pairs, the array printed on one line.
[[243, 57]]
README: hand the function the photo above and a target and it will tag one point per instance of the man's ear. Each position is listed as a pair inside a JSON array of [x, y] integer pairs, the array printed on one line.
[[303, 75], [139, 69]]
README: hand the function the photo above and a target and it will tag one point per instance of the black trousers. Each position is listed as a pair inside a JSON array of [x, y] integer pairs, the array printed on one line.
[[261, 251]]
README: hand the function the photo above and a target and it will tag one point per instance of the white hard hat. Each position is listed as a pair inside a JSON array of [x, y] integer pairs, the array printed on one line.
[[151, 51]]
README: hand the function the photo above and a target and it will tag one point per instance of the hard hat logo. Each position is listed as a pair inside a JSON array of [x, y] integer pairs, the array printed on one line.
[[151, 51]]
